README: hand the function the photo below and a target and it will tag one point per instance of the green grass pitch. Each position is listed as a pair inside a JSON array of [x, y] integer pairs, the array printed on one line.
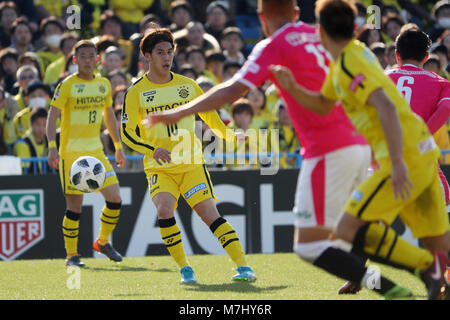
[[281, 276]]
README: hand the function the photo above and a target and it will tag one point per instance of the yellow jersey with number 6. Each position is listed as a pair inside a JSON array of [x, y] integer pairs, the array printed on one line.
[[82, 103]]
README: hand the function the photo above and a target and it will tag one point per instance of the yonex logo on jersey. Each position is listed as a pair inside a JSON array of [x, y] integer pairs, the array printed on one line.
[[80, 88], [195, 189], [150, 95]]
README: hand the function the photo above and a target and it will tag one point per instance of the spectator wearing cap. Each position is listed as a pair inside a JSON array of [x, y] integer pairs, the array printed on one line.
[[194, 35], [215, 61], [441, 14], [8, 13], [25, 75], [111, 60], [31, 59], [68, 41], [37, 96], [130, 13], [232, 42], [51, 29], [217, 18], [180, 14], [8, 109], [21, 36], [34, 142], [8, 68], [111, 26]]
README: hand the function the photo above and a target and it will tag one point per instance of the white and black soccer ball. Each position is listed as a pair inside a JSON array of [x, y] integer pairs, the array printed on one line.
[[87, 174]]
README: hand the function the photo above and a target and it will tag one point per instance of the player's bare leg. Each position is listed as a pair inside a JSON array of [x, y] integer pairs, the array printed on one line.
[[170, 234], [227, 237], [109, 219]]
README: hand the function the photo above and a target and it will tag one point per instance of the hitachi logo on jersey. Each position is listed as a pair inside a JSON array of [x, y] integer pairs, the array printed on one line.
[[86, 100], [166, 107]]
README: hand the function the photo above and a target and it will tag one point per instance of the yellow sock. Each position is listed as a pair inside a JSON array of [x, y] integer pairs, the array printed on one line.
[[383, 244], [71, 224], [229, 241], [171, 235], [109, 219]]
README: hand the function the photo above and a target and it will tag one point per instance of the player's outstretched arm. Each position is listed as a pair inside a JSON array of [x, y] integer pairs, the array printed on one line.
[[53, 155], [390, 123], [215, 98], [111, 125], [310, 100]]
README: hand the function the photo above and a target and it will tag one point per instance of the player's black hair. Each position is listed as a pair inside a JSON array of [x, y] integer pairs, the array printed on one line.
[[337, 18], [154, 37], [38, 113], [412, 44]]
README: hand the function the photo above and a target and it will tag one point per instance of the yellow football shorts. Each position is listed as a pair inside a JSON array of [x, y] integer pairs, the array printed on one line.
[[195, 185], [64, 173], [424, 212]]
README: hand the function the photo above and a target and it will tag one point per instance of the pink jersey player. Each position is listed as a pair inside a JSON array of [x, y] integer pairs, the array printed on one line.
[[428, 95], [336, 156]]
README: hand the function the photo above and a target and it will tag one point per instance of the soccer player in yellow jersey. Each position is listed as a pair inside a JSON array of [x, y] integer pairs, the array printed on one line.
[[173, 159], [82, 100], [407, 183]]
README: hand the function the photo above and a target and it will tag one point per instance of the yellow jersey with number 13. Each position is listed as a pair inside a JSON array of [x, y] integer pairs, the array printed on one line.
[[352, 78], [82, 103]]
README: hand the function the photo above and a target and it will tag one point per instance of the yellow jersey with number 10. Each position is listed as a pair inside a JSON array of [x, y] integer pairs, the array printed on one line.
[[352, 78], [145, 97], [82, 103]]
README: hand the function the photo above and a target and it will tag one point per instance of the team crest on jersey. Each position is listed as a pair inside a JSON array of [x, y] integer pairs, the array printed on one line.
[[125, 118], [102, 88], [183, 92]]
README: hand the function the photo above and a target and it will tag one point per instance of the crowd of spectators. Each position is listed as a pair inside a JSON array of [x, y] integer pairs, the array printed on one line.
[[213, 41]]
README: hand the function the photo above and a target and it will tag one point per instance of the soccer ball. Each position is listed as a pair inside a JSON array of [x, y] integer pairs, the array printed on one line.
[[87, 174]]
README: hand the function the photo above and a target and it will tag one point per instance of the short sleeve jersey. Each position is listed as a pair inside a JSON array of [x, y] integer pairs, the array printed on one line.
[[82, 103], [352, 79], [424, 90], [297, 46]]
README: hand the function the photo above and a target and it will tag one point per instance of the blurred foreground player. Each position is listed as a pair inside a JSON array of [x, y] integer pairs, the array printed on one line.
[[333, 167], [427, 93], [407, 183], [81, 100]]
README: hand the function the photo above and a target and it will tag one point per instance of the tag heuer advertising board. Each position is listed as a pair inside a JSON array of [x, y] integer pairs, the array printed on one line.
[[21, 221]]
